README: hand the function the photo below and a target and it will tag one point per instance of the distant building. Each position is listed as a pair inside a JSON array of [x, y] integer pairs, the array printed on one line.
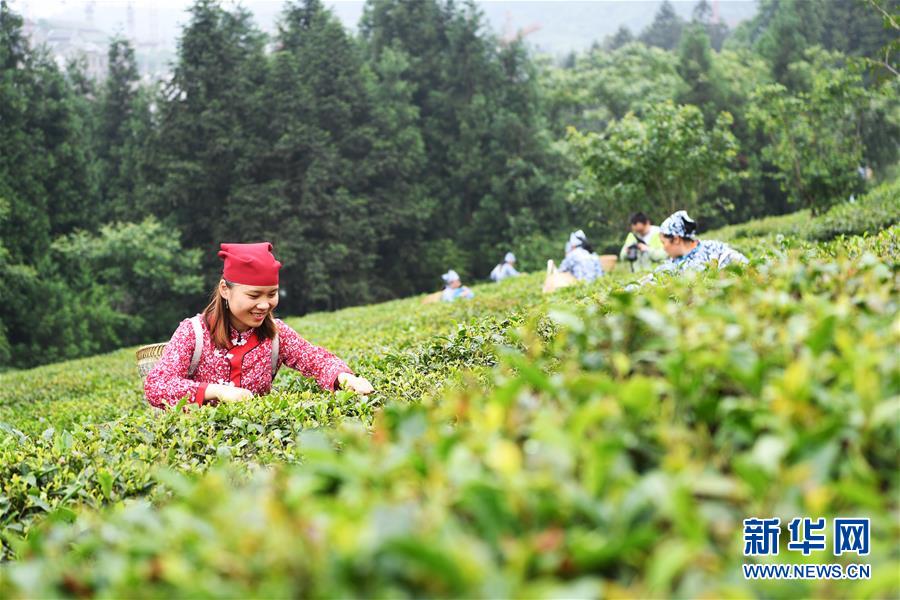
[[68, 40]]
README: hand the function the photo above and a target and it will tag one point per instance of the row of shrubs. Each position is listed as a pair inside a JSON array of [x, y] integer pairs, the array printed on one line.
[[871, 213], [106, 388], [613, 450], [92, 456]]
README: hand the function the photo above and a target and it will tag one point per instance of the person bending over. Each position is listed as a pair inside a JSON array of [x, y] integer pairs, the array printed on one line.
[[453, 287], [687, 252], [581, 260], [242, 344], [505, 269]]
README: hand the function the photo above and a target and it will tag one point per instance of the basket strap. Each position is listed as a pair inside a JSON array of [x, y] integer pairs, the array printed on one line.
[[198, 348], [275, 344], [198, 345]]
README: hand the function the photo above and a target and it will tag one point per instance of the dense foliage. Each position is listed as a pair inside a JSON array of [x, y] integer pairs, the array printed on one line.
[[668, 160]]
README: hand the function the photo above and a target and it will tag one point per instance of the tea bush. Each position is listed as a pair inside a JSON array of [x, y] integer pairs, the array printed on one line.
[[103, 388], [47, 471], [877, 210]]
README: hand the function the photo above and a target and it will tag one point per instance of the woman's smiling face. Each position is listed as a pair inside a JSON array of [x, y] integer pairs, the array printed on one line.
[[249, 304]]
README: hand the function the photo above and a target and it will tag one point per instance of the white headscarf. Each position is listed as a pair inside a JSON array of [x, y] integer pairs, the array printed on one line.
[[450, 276], [576, 239], [510, 257]]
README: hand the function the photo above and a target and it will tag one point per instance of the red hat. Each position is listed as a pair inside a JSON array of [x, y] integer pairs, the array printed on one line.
[[250, 264]]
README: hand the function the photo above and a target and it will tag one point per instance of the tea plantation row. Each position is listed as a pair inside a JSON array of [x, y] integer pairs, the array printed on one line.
[[870, 214], [100, 389], [48, 472]]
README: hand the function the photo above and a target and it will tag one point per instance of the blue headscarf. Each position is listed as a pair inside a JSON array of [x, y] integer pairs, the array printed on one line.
[[680, 225]]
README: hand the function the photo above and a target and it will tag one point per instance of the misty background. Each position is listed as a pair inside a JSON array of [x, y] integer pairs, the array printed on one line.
[[556, 28]]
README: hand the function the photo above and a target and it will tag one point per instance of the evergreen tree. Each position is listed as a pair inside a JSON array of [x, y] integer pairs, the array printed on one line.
[[47, 189], [621, 37], [695, 65], [316, 169], [6, 274], [716, 30], [401, 201], [208, 131], [665, 30], [523, 186], [786, 29], [44, 154], [43, 157], [489, 167], [123, 123]]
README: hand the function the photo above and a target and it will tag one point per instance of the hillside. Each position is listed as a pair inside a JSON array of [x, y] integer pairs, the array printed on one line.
[[593, 443]]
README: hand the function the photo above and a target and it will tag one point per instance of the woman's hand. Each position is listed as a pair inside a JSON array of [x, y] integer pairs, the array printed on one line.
[[360, 385], [228, 393]]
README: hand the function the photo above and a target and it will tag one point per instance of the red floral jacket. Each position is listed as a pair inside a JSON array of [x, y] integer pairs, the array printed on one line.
[[247, 363]]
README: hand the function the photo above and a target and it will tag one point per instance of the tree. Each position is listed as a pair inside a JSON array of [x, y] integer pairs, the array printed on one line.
[[5, 275], [737, 74], [605, 86], [480, 120], [813, 136], [786, 29], [882, 54], [621, 37], [522, 194], [44, 154], [47, 187], [717, 31], [695, 66], [208, 130], [665, 30], [666, 161], [398, 160], [145, 275], [865, 28], [316, 170], [123, 126]]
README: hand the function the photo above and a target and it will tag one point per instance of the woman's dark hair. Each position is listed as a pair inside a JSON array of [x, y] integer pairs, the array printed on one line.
[[689, 226], [585, 243], [639, 217], [218, 319]]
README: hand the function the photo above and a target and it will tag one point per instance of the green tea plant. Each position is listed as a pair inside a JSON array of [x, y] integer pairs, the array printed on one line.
[[104, 388], [50, 470], [877, 210]]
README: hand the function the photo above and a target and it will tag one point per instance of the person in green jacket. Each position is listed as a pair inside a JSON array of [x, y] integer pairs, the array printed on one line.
[[642, 249]]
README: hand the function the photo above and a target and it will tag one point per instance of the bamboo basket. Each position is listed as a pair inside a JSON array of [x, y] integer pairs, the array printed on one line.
[[608, 262], [147, 356], [432, 298], [557, 279]]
